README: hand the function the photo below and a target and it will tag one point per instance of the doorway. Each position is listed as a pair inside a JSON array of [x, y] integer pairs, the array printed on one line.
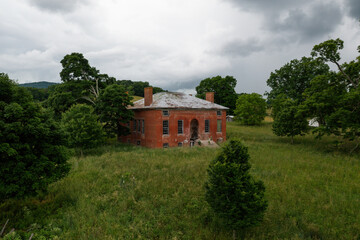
[[194, 129]]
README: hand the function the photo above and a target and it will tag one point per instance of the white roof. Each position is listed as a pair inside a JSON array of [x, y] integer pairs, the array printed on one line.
[[176, 100]]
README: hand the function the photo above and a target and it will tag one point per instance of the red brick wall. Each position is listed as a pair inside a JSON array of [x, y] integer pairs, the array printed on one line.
[[154, 138]]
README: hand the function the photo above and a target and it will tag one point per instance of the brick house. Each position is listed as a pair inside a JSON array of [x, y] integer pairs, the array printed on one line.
[[170, 119]]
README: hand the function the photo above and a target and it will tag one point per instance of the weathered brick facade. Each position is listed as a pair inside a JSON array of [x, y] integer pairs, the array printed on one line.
[[177, 123]]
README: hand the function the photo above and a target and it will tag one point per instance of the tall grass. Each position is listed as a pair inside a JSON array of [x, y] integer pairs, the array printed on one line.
[[126, 192]]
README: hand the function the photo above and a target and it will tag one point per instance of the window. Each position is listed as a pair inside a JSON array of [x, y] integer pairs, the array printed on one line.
[[180, 144], [165, 112], [143, 127], [218, 113], [138, 143], [139, 126], [207, 125], [134, 125], [180, 126], [218, 125], [165, 145], [165, 127]]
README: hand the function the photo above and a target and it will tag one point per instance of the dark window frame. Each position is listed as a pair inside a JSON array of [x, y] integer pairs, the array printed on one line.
[[165, 145], [181, 129], [134, 125], [219, 127], [166, 127], [143, 127], [166, 113], [207, 125]]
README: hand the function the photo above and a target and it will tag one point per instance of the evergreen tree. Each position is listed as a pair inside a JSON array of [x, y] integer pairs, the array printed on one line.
[[234, 195]]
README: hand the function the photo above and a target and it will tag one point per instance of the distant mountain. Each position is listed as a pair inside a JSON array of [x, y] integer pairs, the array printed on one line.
[[38, 84]]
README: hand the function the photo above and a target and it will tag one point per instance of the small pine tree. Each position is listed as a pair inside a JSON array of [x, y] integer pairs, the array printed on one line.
[[234, 195]]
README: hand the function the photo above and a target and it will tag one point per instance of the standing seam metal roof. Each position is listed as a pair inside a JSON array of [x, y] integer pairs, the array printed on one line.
[[176, 100]]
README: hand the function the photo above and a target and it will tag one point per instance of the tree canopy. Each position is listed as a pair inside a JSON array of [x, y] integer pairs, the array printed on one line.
[[289, 121], [224, 89], [82, 127], [32, 152], [113, 109], [77, 68], [250, 109], [294, 77]]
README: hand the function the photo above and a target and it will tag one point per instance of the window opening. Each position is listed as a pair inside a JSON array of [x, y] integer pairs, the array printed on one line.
[[165, 112], [165, 127], [207, 125], [180, 126], [218, 125]]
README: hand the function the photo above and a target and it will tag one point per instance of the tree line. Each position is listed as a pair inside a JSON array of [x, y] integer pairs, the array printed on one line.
[[38, 127], [307, 89]]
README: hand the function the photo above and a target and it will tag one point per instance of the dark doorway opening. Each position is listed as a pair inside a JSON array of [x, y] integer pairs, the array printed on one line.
[[194, 129]]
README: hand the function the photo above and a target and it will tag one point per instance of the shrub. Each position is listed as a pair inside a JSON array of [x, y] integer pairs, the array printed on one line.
[[233, 194]]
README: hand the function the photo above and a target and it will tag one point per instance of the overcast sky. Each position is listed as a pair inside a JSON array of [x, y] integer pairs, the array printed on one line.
[[173, 44]]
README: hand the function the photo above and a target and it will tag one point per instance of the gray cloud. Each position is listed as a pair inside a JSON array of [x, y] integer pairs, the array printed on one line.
[[298, 20], [354, 8], [241, 48], [266, 5], [58, 6], [319, 21]]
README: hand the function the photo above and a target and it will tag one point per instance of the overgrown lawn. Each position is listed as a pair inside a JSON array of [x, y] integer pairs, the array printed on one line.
[[126, 192]]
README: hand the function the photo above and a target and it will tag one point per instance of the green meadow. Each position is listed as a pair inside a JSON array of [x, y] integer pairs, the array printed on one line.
[[128, 192]]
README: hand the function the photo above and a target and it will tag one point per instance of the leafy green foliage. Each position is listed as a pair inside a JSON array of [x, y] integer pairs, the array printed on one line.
[[112, 107], [294, 77], [136, 88], [236, 198], [82, 127], [224, 89], [250, 109], [39, 94], [32, 152], [289, 121], [323, 97], [77, 68], [329, 51], [64, 95]]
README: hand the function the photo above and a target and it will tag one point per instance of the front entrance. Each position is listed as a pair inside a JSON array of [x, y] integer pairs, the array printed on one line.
[[194, 129]]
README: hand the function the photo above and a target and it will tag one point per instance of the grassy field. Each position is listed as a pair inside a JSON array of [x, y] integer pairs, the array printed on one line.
[[125, 192]]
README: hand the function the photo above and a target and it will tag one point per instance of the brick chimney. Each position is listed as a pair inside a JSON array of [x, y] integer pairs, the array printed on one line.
[[210, 96], [148, 96]]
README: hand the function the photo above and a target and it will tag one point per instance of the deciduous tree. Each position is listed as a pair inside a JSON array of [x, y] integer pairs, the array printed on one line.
[[224, 89], [32, 152], [112, 106], [294, 77], [250, 109], [289, 121], [82, 127]]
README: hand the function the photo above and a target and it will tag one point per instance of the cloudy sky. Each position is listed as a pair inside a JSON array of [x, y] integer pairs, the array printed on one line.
[[173, 44]]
